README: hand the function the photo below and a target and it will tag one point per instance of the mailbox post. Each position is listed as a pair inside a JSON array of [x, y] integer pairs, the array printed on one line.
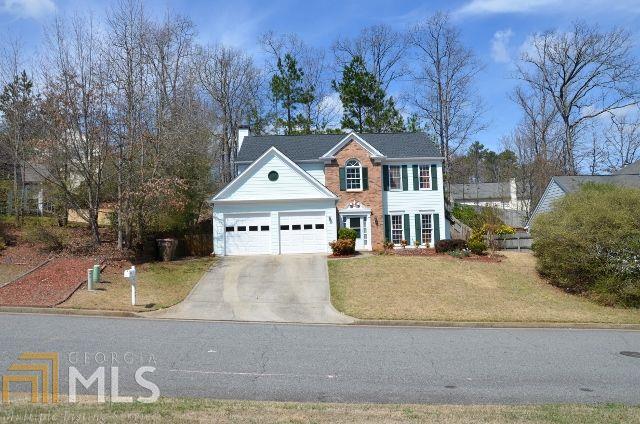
[[131, 275]]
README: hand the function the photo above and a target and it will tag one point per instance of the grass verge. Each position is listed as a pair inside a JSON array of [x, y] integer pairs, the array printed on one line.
[[448, 289], [201, 411], [160, 285]]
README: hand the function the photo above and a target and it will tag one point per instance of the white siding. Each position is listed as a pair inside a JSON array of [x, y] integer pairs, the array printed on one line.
[[414, 202], [315, 169], [552, 193], [275, 208], [289, 185]]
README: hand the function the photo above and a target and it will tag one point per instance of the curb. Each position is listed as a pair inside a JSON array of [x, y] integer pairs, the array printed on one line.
[[64, 311], [496, 324]]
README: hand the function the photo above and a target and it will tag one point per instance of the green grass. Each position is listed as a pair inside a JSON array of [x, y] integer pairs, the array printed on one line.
[[448, 289], [204, 411], [160, 285]]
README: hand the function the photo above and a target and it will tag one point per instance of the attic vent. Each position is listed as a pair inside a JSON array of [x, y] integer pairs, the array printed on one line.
[[273, 176]]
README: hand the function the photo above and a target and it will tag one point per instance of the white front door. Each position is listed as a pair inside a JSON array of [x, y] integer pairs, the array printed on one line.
[[303, 232], [358, 223], [247, 234]]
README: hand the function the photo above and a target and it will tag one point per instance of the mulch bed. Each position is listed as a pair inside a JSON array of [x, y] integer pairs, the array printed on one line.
[[47, 286], [495, 258], [23, 254], [413, 252]]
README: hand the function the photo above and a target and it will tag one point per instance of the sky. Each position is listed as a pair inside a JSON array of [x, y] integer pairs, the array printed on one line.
[[496, 30]]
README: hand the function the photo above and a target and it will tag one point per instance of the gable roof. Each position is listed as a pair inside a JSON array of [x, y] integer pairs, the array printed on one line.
[[375, 153], [631, 169], [272, 151], [570, 183], [314, 146]]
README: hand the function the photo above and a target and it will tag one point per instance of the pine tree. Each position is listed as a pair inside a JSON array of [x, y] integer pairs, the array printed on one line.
[[366, 106], [287, 88]]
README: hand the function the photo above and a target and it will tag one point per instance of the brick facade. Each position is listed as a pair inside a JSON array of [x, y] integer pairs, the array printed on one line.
[[371, 198]]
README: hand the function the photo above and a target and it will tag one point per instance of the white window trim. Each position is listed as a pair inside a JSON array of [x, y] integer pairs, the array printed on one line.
[[346, 179], [430, 188], [389, 176], [422, 228], [401, 228]]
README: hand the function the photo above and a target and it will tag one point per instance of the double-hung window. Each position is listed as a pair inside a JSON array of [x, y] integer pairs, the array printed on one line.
[[426, 229], [396, 229], [353, 171], [424, 174], [395, 177]]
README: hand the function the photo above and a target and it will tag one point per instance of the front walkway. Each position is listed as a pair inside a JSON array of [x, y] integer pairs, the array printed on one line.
[[287, 288]]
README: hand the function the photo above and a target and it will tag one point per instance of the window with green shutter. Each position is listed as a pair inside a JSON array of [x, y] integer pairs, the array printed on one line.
[[343, 179], [418, 228], [365, 178], [416, 180], [436, 227], [405, 180], [407, 227], [434, 177]]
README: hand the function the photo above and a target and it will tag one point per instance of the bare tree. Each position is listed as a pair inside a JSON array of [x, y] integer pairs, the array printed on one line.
[[128, 75], [443, 83], [586, 73], [622, 140], [77, 117], [382, 49], [232, 82]]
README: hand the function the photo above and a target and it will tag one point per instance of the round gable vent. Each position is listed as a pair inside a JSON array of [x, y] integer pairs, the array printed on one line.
[[273, 176]]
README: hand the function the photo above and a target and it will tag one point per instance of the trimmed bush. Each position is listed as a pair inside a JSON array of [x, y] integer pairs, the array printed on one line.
[[449, 245], [590, 244], [343, 247], [477, 247], [347, 233]]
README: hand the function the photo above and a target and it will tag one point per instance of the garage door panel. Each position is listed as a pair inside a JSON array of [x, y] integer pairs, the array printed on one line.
[[303, 232], [247, 234]]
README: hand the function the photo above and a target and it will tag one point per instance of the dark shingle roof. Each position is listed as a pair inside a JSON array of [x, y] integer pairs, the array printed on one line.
[[481, 191], [311, 147], [573, 182]]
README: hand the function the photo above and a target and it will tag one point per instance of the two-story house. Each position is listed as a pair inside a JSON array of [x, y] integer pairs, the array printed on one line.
[[292, 193]]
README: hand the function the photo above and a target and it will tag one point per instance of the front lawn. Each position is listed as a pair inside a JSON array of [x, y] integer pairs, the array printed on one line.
[[160, 285], [448, 289], [206, 411]]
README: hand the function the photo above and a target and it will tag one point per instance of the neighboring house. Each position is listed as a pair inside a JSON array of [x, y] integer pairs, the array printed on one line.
[[508, 197], [34, 179], [292, 193], [629, 176]]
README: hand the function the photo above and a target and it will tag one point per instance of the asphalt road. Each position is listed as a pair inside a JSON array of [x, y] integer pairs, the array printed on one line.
[[337, 363]]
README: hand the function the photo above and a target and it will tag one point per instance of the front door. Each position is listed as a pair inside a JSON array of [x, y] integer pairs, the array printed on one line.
[[359, 224]]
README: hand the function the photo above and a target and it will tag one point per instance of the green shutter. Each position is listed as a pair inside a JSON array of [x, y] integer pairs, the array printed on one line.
[[416, 180], [407, 227], [405, 182], [365, 178], [434, 177], [387, 227], [343, 180], [436, 227], [385, 177], [418, 228]]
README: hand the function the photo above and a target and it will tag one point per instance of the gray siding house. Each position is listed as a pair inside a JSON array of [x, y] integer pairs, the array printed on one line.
[[629, 176]]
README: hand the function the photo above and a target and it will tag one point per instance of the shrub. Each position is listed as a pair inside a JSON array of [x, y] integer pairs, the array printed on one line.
[[347, 233], [52, 239], [404, 243], [590, 243], [460, 254], [476, 243], [388, 245], [448, 245], [467, 214], [343, 247]]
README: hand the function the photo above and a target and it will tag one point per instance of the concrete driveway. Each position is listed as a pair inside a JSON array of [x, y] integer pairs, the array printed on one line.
[[287, 288]]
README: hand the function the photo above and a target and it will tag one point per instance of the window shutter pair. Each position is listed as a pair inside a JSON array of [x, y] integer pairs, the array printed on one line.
[[343, 178], [387, 227]]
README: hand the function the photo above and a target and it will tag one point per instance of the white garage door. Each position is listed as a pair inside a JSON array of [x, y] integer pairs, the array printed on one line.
[[303, 232], [247, 234]]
